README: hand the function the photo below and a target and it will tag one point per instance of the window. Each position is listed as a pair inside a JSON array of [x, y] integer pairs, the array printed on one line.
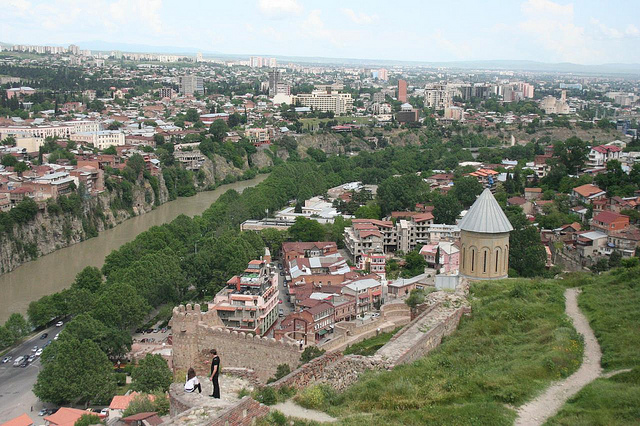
[[497, 257], [464, 256], [484, 264], [473, 259]]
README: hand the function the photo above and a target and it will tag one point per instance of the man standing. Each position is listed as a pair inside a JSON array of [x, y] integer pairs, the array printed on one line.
[[215, 369]]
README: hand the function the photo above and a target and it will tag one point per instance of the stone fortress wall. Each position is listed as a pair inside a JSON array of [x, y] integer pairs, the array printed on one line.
[[195, 333]]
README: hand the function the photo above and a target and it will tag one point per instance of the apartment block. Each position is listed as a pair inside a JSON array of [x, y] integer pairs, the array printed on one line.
[[249, 301]]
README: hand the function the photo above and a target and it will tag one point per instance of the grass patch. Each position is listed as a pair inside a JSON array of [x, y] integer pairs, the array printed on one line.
[[369, 346], [612, 304], [613, 401], [517, 341]]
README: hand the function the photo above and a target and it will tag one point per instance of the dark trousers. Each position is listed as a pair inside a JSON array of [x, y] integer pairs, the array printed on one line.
[[216, 387]]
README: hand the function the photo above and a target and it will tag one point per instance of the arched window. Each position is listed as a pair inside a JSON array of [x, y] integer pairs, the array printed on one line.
[[464, 257], [484, 262], [506, 257], [473, 259], [497, 258]]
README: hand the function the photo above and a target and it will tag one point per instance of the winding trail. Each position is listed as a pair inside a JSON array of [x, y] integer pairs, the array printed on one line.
[[291, 409], [546, 405]]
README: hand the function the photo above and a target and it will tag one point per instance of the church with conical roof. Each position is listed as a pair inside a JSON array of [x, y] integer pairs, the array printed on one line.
[[484, 238]]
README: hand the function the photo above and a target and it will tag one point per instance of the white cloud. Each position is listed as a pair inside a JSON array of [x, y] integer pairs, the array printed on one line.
[[461, 50], [607, 31], [552, 26], [632, 30], [313, 27], [279, 8], [360, 18]]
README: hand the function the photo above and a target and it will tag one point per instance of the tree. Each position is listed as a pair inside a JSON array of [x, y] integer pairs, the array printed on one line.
[[415, 264], [17, 325], [145, 404], [6, 337], [572, 153], [466, 189], [113, 342], [527, 255], [74, 371], [158, 139], [192, 115], [90, 278], [120, 306], [151, 374], [416, 298], [9, 160], [218, 130], [401, 193], [20, 168], [306, 230], [88, 420], [446, 209], [309, 353]]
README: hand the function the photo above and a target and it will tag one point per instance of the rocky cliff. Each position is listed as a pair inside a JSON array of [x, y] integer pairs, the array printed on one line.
[[49, 232]]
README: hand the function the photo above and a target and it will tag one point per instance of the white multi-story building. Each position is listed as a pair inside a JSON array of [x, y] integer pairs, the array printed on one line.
[[338, 103], [438, 96], [101, 140], [190, 84]]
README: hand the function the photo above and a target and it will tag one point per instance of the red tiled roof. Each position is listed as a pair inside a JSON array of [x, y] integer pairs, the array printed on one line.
[[608, 217], [21, 420], [65, 416], [587, 190]]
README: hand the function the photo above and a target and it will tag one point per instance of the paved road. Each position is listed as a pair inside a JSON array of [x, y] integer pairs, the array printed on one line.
[[16, 383]]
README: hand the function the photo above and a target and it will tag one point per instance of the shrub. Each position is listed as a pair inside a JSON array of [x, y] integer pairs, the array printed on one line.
[[309, 353], [88, 419], [266, 395]]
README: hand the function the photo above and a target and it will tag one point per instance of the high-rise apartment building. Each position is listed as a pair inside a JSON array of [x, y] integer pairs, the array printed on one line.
[[402, 90], [383, 74], [274, 79], [190, 84], [438, 96]]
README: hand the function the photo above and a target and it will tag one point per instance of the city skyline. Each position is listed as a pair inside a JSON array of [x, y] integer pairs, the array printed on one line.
[[540, 30]]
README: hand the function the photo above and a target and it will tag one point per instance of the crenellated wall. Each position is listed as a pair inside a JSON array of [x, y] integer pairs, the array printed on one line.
[[195, 333]]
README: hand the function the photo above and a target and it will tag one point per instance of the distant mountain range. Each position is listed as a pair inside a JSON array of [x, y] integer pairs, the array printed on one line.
[[513, 65]]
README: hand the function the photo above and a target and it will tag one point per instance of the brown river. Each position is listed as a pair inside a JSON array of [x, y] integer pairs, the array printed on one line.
[[57, 270]]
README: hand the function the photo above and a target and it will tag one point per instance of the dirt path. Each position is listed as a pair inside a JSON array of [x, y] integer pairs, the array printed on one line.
[[546, 405], [291, 409]]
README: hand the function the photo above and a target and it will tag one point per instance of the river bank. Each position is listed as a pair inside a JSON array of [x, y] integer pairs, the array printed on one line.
[[56, 271]]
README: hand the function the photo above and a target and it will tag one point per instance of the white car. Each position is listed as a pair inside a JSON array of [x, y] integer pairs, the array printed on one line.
[[104, 411], [59, 324], [34, 349], [56, 337], [39, 352]]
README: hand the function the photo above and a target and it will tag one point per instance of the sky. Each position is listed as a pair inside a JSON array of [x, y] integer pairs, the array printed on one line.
[[582, 31]]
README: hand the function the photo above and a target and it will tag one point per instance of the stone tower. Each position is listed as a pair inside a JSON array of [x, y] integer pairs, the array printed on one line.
[[484, 237]]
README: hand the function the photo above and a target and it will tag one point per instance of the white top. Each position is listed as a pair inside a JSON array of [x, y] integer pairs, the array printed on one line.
[[190, 384]]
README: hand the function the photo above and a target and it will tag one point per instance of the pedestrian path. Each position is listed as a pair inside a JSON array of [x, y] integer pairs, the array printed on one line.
[[291, 409]]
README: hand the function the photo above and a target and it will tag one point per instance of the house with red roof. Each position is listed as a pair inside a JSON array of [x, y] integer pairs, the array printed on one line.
[[601, 154], [609, 222], [65, 416], [587, 193], [21, 420]]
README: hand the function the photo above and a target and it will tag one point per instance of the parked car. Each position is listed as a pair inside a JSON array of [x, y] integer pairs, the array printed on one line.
[[105, 411], [24, 363], [39, 352], [59, 324], [44, 336], [34, 349], [18, 361], [375, 315], [43, 412], [281, 312], [56, 336], [282, 273], [6, 359], [31, 358]]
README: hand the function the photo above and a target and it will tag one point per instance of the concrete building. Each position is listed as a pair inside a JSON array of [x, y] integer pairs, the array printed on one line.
[[484, 238], [402, 90], [438, 96], [601, 154], [190, 84], [274, 80], [165, 92], [454, 113], [249, 302], [551, 105], [101, 140], [338, 103]]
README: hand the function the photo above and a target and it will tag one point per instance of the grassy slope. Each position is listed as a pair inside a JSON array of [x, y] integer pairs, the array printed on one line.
[[612, 304], [515, 343]]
